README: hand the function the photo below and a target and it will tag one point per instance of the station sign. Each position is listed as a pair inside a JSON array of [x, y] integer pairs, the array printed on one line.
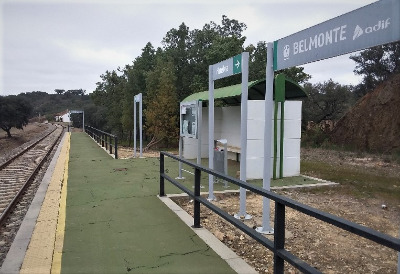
[[369, 26], [228, 67]]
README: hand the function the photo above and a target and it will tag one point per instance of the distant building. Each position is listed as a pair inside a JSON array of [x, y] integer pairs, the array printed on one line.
[[63, 117]]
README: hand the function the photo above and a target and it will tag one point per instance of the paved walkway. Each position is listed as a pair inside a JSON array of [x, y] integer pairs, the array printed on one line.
[[115, 223]]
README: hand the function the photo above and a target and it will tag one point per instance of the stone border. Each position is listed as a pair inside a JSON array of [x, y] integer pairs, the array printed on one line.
[[233, 260]]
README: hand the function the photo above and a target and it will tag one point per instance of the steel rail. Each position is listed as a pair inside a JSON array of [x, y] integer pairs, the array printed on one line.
[[13, 157], [11, 205]]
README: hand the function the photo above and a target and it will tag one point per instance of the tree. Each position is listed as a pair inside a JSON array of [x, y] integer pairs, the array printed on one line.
[[231, 28], [14, 112], [297, 74], [326, 101], [176, 45], [135, 83], [109, 95], [162, 113], [376, 65], [59, 91], [258, 59]]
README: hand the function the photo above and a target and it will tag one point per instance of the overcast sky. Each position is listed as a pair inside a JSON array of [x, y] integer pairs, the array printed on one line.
[[49, 45]]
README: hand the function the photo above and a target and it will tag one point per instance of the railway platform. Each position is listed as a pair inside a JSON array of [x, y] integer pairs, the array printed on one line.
[[107, 218]]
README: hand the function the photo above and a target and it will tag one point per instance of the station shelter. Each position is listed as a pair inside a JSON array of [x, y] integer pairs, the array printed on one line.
[[287, 97]]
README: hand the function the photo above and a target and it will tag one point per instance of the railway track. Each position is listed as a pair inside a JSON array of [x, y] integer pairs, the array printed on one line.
[[19, 171]]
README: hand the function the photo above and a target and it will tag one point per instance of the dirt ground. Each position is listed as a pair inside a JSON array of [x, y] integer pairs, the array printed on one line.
[[324, 246], [127, 153], [373, 122], [360, 161], [20, 136]]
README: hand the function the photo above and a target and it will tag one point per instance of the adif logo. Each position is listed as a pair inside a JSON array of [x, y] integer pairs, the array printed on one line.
[[382, 24], [357, 32], [286, 52]]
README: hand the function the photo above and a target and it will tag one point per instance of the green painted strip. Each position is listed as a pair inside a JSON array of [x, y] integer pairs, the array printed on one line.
[[275, 55], [280, 94], [280, 88], [275, 139], [281, 139]]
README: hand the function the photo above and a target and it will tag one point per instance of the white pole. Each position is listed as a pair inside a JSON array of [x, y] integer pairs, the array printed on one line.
[[180, 156], [199, 129], [226, 162], [141, 124], [243, 136], [134, 126], [210, 132], [266, 228]]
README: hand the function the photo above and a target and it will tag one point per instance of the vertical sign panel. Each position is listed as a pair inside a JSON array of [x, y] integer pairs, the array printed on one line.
[[372, 25]]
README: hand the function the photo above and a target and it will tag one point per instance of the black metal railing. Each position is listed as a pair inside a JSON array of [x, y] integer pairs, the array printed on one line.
[[104, 139], [277, 246]]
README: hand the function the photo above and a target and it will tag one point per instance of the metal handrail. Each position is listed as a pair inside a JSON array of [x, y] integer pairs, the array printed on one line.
[[278, 245], [104, 139]]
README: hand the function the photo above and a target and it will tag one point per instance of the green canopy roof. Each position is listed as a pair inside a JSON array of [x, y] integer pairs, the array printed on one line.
[[231, 95]]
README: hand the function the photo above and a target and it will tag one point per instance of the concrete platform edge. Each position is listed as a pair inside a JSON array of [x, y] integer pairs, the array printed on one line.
[[234, 261], [16, 254]]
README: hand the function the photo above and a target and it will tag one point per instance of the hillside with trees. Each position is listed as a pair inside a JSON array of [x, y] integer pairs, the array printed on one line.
[[168, 74], [47, 106], [367, 116], [373, 124]]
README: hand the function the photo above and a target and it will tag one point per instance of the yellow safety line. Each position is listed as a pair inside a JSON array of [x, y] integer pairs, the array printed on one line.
[[39, 255], [58, 245]]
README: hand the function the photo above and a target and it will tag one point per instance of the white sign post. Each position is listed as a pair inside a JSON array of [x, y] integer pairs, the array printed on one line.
[[369, 26], [231, 66], [138, 99], [269, 90]]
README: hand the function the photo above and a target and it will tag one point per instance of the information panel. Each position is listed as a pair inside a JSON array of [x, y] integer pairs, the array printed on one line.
[[188, 119]]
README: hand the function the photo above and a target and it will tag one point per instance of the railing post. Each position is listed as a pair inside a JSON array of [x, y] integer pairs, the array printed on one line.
[[398, 259], [110, 144], [102, 139], [197, 176], [279, 237], [106, 142], [162, 190], [116, 147]]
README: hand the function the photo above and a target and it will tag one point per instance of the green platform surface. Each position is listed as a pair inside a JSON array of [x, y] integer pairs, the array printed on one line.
[[116, 224]]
